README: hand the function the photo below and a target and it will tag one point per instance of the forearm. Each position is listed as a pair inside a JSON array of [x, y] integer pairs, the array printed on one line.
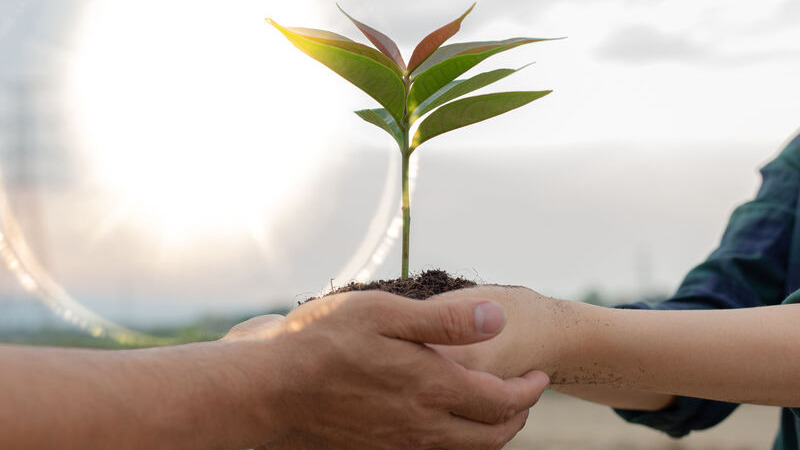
[[618, 398], [179, 397], [742, 356]]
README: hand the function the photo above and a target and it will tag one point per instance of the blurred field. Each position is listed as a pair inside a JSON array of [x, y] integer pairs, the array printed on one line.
[[564, 423]]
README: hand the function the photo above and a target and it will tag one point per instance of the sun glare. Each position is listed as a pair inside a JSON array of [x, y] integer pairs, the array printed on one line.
[[183, 120]]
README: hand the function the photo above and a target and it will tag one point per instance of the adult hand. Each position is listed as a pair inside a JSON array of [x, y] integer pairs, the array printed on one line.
[[356, 374], [348, 372]]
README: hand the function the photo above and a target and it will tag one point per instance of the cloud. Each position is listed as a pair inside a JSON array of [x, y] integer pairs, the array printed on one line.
[[642, 44], [788, 14], [634, 32]]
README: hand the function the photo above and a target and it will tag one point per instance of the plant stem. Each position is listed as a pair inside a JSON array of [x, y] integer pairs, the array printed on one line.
[[406, 216], [406, 150]]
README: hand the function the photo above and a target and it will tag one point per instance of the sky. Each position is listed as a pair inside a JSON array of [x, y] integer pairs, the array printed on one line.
[[627, 70], [221, 169]]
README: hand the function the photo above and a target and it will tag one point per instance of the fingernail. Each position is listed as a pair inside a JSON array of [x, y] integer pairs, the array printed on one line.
[[489, 317]]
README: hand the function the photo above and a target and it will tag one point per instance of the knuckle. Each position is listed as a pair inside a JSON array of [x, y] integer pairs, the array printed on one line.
[[454, 324], [509, 409], [505, 415], [436, 396], [503, 411]]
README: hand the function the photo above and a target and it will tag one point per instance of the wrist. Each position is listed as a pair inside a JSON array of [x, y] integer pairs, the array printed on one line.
[[540, 333], [218, 394], [564, 335], [252, 375]]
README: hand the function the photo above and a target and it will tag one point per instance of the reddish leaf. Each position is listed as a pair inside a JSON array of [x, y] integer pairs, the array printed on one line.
[[382, 42], [434, 40]]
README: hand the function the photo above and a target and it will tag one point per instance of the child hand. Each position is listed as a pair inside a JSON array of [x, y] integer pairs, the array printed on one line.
[[529, 340]]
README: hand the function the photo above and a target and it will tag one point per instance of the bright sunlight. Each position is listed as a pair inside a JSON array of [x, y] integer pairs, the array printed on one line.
[[181, 120]]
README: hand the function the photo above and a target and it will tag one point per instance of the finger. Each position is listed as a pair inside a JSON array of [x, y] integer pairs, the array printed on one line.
[[447, 322], [460, 433], [529, 387], [488, 399]]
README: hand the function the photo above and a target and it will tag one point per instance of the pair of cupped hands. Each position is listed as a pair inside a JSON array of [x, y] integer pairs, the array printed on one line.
[[371, 370]]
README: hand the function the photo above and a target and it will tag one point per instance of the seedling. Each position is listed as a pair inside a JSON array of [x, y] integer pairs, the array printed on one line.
[[425, 87]]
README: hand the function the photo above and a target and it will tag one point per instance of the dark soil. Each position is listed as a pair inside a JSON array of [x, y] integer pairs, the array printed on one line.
[[419, 287]]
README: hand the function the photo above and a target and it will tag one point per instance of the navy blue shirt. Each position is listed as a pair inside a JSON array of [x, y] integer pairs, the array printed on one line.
[[757, 264]]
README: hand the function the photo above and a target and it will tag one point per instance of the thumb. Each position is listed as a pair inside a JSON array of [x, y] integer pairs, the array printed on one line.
[[445, 322]]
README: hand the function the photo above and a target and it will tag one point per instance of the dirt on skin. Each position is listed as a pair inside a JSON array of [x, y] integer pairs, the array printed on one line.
[[560, 422]]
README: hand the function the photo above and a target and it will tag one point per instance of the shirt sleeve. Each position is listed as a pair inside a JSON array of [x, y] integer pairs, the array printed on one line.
[[750, 268]]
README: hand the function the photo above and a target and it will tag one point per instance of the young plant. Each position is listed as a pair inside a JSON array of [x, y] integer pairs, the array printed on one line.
[[427, 85]]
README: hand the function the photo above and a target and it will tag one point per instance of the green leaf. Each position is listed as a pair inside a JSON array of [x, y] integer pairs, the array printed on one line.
[[344, 43], [382, 42], [448, 51], [467, 111], [443, 53], [318, 34], [376, 79], [434, 40], [438, 76], [457, 88], [382, 119]]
